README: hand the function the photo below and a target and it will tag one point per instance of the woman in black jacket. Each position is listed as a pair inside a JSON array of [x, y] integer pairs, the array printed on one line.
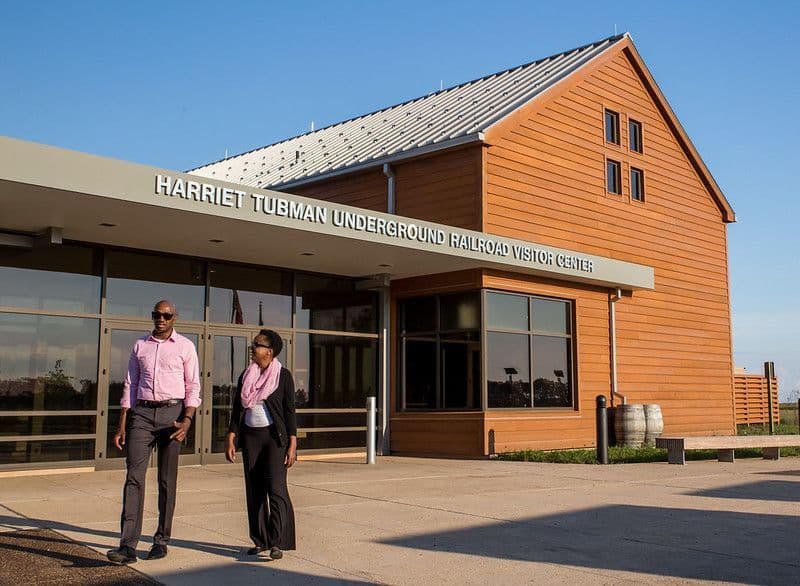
[[263, 421]]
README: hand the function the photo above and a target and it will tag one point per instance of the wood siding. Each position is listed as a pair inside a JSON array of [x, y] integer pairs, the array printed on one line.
[[751, 399], [546, 183], [443, 187]]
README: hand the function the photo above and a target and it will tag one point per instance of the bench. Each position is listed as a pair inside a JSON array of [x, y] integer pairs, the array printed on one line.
[[724, 444]]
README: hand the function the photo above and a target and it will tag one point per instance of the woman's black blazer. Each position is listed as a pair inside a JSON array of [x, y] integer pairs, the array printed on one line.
[[280, 405]]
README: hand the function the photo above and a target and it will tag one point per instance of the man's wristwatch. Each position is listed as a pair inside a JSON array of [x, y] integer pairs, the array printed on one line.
[[189, 417]]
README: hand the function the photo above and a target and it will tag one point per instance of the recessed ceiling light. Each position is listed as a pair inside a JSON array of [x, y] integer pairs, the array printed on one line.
[[107, 225], [216, 240], [306, 254], [385, 266]]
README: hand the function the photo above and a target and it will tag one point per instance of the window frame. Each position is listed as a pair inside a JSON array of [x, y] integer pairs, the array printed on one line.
[[639, 134], [613, 117], [618, 184], [641, 195], [436, 336], [531, 333]]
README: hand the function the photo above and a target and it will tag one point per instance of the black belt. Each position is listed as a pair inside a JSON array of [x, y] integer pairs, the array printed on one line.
[[157, 404]]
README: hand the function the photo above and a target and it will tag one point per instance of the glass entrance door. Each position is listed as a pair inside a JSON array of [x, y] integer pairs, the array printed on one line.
[[227, 355], [117, 340]]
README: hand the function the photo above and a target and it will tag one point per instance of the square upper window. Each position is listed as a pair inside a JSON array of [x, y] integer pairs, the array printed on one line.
[[612, 126], [635, 136], [637, 184], [613, 177]]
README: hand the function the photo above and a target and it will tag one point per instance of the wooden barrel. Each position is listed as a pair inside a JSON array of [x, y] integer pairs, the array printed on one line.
[[653, 423], [629, 425]]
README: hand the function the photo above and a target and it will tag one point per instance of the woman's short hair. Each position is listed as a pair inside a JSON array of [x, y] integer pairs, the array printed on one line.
[[273, 340]]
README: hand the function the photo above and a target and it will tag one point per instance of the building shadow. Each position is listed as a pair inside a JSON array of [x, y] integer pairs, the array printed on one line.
[[682, 543], [780, 473], [232, 572], [765, 490]]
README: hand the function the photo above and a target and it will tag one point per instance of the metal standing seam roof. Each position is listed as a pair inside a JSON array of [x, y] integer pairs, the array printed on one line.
[[450, 116]]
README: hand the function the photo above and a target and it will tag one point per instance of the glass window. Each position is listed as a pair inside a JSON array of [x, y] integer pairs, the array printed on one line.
[[30, 452], [551, 372], [460, 359], [460, 312], [532, 368], [334, 371], [60, 278], [420, 374], [137, 281], [612, 126], [613, 177], [507, 312], [419, 315], [508, 370], [246, 295], [334, 304], [635, 135], [637, 184], [47, 425], [551, 316], [441, 362], [332, 439], [48, 363], [231, 357]]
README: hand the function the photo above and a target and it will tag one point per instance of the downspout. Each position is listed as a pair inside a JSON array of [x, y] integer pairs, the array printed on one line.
[[612, 332], [391, 179], [386, 331]]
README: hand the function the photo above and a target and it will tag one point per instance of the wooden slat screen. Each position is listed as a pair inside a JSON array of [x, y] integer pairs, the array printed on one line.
[[751, 401]]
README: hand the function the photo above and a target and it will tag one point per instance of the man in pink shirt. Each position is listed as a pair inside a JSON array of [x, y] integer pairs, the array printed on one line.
[[159, 399]]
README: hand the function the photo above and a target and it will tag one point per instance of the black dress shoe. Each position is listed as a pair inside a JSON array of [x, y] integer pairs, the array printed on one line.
[[157, 552], [256, 550], [121, 555], [275, 553]]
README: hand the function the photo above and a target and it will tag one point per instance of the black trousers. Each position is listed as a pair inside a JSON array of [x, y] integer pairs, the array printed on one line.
[[265, 486], [148, 429]]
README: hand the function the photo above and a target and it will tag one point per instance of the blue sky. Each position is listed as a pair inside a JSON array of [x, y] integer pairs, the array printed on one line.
[[176, 84]]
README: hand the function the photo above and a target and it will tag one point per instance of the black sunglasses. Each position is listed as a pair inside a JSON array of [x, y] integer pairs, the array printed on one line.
[[253, 346], [166, 315]]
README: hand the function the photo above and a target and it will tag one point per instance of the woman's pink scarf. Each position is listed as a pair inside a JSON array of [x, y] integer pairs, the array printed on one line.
[[258, 385]]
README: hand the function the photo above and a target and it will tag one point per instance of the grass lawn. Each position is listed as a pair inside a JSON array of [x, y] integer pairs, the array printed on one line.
[[620, 455]]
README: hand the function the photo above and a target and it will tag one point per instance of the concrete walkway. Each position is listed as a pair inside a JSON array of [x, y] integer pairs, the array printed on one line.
[[423, 521]]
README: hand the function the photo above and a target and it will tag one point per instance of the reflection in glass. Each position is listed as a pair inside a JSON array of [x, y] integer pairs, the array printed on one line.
[[231, 357], [419, 315], [61, 278], [508, 312], [334, 304], [551, 372], [420, 374], [47, 425], [246, 295], [138, 281], [334, 371], [551, 316], [332, 439], [460, 366], [48, 363], [122, 342], [508, 375], [29, 452], [460, 312]]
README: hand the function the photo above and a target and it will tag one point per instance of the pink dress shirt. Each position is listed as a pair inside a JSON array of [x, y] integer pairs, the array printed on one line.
[[158, 371]]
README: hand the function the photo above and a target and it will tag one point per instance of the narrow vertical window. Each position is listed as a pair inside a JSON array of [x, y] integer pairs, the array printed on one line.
[[637, 184], [613, 183], [612, 127], [635, 135]]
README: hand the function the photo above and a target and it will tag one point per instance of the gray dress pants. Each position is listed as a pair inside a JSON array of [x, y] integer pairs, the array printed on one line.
[[148, 429]]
